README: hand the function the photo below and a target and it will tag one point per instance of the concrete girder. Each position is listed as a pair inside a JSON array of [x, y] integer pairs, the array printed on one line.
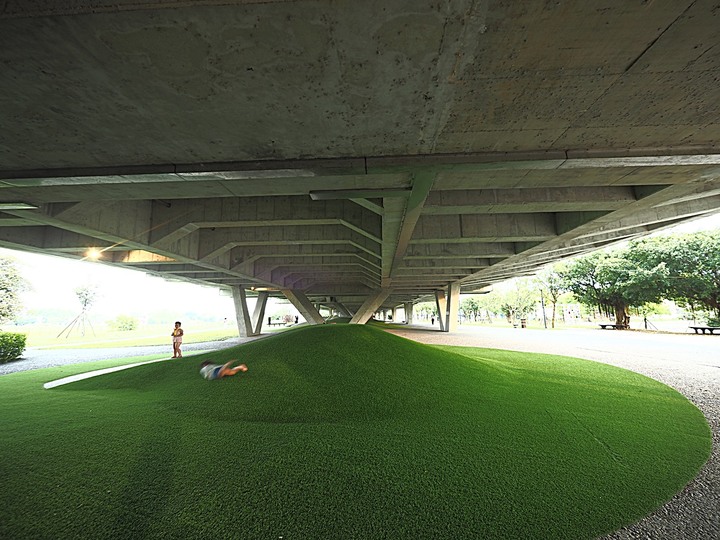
[[528, 200], [620, 225], [106, 236], [304, 306], [168, 268], [452, 306], [497, 250], [364, 312], [242, 313], [189, 215], [446, 262], [48, 238], [281, 273], [496, 227], [422, 183], [216, 242], [270, 262], [301, 281], [141, 257]]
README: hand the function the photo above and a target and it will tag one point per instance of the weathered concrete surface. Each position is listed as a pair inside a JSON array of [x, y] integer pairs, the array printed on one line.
[[342, 148]]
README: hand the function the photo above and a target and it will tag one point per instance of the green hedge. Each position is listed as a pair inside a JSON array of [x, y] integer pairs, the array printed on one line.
[[11, 346]]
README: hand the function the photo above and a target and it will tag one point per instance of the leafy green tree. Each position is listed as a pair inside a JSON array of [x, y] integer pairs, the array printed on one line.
[[11, 285], [426, 309], [519, 300], [470, 307], [693, 265], [552, 286], [123, 323], [615, 281]]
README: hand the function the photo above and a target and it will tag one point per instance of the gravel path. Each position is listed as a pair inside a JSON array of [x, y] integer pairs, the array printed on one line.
[[42, 358], [687, 362]]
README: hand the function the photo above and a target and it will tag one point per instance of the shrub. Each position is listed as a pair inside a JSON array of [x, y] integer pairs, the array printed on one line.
[[713, 321], [123, 323], [11, 346]]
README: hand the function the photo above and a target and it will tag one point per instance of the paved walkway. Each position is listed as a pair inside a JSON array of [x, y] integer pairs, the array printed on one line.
[[36, 358], [687, 362]]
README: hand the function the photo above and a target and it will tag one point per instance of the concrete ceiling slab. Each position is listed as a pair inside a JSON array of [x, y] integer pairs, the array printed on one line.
[[345, 148]]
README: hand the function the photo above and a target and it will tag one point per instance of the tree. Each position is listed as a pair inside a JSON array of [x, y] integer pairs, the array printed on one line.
[[470, 307], [426, 309], [615, 281], [86, 296], [519, 300], [11, 285], [693, 265], [551, 284]]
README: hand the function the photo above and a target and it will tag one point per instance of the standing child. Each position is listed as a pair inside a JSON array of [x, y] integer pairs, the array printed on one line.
[[177, 335]]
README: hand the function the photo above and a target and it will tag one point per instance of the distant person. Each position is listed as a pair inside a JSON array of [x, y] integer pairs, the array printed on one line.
[[212, 371], [177, 335]]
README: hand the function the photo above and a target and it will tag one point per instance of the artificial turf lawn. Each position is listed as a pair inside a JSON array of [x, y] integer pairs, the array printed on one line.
[[344, 431]]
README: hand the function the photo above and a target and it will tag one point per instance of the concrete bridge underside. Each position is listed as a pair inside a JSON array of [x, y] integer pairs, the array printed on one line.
[[361, 155]]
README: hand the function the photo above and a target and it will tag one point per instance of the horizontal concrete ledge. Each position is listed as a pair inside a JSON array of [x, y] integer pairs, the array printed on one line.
[[543, 159]]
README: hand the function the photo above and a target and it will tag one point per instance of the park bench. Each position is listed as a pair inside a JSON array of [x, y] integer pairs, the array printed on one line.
[[614, 326], [703, 329]]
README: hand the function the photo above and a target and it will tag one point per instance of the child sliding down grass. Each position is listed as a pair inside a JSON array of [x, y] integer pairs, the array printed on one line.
[[211, 371]]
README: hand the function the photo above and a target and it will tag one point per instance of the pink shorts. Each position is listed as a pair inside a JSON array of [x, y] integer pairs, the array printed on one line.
[[177, 339]]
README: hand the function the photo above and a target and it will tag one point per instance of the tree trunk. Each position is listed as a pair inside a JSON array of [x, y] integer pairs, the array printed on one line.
[[622, 319]]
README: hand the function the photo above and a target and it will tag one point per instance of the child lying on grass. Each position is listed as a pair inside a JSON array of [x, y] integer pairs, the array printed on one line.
[[211, 371]]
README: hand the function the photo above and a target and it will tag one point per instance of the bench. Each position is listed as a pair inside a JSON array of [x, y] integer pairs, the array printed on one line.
[[703, 329], [614, 326]]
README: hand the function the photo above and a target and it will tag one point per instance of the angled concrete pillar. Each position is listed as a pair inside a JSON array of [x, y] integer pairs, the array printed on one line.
[[368, 308], [441, 304], [242, 315], [304, 306], [408, 312], [451, 310], [259, 312], [341, 309]]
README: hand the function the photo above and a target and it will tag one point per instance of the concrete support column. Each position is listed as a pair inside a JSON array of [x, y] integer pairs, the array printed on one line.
[[408, 312], [341, 309], [242, 315], [453, 305], [259, 312], [368, 308], [304, 306], [440, 304]]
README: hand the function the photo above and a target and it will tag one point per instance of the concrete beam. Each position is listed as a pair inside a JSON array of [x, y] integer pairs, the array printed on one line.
[[441, 307], [452, 306], [242, 314], [259, 311], [304, 306], [485, 228], [370, 306], [408, 306]]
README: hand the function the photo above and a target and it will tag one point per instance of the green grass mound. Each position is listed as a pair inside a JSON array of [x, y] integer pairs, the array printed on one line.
[[344, 431]]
